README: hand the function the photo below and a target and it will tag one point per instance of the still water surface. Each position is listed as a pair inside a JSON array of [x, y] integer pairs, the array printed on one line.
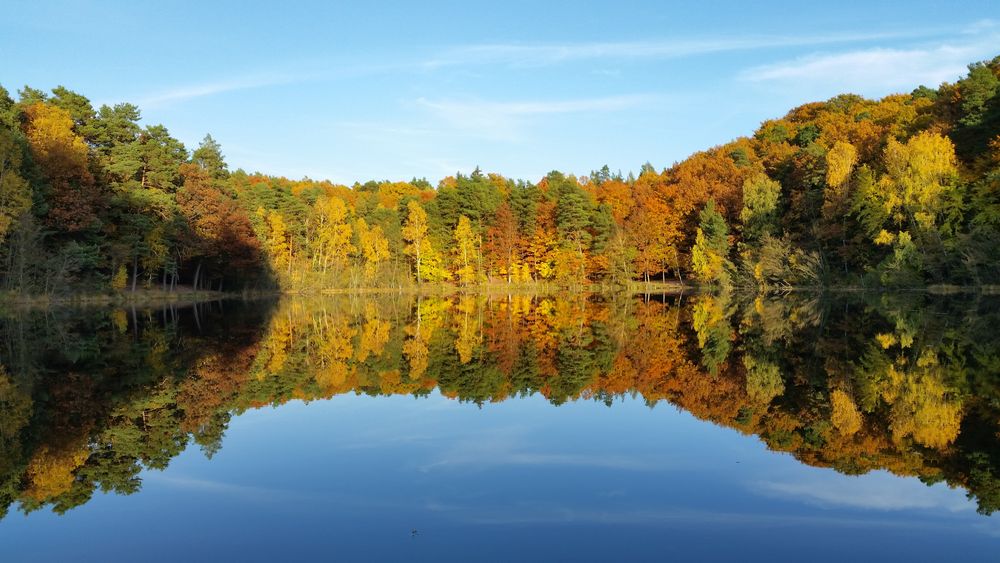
[[522, 428]]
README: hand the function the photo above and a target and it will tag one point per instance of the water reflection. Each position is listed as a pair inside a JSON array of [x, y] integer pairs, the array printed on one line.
[[904, 383]]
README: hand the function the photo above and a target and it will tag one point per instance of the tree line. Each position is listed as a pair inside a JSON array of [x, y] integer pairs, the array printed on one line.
[[901, 191]]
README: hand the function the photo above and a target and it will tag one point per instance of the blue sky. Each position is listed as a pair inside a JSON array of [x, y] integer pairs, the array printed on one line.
[[395, 90]]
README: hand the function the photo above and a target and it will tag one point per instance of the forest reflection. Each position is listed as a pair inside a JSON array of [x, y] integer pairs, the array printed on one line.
[[905, 383]]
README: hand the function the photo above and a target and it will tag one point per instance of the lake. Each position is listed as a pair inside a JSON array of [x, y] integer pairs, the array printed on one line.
[[496, 427]]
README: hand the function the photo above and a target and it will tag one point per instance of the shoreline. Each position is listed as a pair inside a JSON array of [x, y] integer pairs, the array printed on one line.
[[187, 297], [143, 298]]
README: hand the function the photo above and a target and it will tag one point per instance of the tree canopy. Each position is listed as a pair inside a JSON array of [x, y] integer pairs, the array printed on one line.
[[900, 191]]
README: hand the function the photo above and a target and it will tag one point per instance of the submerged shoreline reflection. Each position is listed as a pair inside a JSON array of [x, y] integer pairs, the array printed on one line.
[[902, 383]]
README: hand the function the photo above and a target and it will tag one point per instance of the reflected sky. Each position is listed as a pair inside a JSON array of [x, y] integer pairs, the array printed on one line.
[[351, 478]]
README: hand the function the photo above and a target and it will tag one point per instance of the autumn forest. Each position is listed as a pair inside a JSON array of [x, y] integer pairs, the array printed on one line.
[[898, 192]]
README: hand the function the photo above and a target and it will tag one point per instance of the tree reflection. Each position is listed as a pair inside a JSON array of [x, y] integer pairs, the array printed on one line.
[[906, 383]]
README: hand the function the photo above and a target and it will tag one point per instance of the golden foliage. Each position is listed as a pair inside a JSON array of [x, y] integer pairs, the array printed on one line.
[[845, 416], [52, 472], [840, 161]]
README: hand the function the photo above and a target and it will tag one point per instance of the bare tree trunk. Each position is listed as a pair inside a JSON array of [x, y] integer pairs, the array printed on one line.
[[197, 275], [197, 320], [135, 324], [418, 263], [135, 270]]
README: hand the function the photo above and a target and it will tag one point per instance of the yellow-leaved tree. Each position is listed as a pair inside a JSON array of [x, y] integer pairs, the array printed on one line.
[[415, 234], [62, 156], [374, 247], [427, 261], [333, 233], [15, 194], [279, 244], [914, 193], [844, 416], [840, 161], [920, 175], [467, 252], [710, 253]]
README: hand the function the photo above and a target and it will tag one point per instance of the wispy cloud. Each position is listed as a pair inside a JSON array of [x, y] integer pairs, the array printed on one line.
[[981, 26], [529, 55], [545, 54], [192, 91], [303, 71], [508, 447], [463, 109], [443, 119], [880, 70], [537, 459], [874, 491], [678, 517], [322, 495], [247, 492], [503, 120]]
